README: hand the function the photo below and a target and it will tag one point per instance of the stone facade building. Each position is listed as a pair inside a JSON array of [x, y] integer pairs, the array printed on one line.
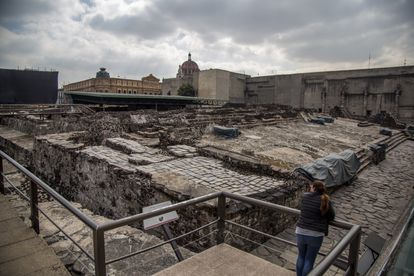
[[362, 92], [149, 85]]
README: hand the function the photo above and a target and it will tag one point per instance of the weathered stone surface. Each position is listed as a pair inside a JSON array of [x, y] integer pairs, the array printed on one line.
[[373, 204], [182, 151], [290, 145], [146, 158], [129, 146], [212, 174], [119, 177], [17, 144]]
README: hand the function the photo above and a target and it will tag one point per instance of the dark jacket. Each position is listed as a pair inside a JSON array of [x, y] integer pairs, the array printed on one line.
[[310, 214]]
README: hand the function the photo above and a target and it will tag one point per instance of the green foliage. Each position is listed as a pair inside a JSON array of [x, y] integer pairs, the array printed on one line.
[[186, 90]]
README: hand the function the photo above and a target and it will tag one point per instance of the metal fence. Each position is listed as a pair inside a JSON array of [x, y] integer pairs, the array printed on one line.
[[351, 239]]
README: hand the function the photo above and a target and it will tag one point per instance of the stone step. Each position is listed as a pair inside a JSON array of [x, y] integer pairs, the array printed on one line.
[[396, 143], [129, 146], [22, 251]]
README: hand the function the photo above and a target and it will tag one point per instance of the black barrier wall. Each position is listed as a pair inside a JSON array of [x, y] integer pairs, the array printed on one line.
[[28, 86]]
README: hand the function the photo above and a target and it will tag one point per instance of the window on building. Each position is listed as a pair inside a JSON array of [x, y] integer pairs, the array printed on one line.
[[119, 90], [135, 92], [124, 91], [129, 92]]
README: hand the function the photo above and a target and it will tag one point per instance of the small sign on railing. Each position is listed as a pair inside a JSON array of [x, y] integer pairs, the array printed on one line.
[[163, 220], [160, 219]]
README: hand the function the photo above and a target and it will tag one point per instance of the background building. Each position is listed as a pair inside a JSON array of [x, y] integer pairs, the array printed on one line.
[[362, 92], [149, 85], [28, 86], [187, 74]]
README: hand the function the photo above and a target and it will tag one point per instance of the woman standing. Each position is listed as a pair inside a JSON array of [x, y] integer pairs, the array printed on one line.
[[315, 213]]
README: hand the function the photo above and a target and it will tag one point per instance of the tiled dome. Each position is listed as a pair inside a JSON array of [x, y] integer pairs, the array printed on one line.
[[188, 67], [102, 73]]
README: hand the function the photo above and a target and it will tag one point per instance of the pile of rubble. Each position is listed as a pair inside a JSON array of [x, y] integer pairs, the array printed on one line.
[[386, 119]]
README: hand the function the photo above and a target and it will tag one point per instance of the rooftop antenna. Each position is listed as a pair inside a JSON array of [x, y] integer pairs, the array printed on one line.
[[405, 61], [369, 60]]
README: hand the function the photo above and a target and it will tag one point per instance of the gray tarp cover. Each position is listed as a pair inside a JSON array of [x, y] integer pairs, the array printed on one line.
[[334, 169]]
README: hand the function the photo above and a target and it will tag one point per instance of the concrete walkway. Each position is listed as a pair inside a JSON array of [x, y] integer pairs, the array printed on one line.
[[224, 259], [22, 251]]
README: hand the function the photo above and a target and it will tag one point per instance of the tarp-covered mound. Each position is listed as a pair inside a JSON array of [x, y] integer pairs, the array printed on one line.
[[334, 169], [230, 132]]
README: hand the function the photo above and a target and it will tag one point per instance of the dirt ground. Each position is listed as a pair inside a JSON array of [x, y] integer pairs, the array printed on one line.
[[296, 143]]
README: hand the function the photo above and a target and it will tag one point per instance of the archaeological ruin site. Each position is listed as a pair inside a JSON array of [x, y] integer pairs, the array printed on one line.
[[228, 166]]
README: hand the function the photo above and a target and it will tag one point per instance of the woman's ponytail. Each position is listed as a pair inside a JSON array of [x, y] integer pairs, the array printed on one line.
[[320, 188]]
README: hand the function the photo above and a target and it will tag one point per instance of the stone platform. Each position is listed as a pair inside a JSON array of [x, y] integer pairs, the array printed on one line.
[[22, 251], [224, 260]]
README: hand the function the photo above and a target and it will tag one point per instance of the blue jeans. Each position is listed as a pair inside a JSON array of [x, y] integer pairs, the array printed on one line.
[[308, 248]]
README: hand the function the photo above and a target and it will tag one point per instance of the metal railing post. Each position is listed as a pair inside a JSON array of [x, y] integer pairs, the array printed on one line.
[[99, 252], [221, 213], [34, 212], [354, 254], [1, 176]]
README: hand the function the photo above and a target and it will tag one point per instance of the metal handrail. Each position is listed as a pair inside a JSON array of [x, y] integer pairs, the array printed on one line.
[[395, 245], [67, 235], [161, 243], [140, 217], [261, 203], [25, 197], [260, 232], [339, 261], [352, 238], [336, 251], [84, 218]]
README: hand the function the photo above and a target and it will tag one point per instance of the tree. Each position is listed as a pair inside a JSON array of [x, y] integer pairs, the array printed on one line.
[[186, 89]]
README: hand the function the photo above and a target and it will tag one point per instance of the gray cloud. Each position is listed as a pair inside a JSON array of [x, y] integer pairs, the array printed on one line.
[[134, 38], [321, 30], [142, 26], [247, 22], [22, 8], [13, 14]]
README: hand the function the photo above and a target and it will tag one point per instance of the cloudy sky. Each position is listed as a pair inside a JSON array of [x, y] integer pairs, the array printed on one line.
[[134, 38]]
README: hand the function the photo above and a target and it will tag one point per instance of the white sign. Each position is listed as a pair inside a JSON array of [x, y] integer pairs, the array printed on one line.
[[160, 219]]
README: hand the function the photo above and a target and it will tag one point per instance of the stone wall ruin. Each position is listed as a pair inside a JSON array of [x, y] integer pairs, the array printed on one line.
[[116, 163]]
